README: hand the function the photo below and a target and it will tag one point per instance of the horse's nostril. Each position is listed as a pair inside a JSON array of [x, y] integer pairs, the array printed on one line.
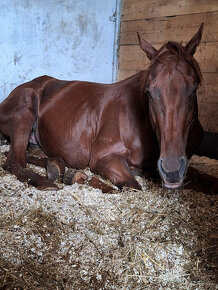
[[183, 167], [170, 176], [173, 177], [160, 168]]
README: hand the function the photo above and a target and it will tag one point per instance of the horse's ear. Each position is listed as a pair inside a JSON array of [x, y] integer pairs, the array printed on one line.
[[146, 47], [194, 42]]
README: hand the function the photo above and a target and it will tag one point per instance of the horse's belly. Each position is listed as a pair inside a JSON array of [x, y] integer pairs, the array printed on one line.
[[68, 145]]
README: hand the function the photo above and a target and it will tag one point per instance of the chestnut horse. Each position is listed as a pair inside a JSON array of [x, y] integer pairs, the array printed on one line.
[[147, 120]]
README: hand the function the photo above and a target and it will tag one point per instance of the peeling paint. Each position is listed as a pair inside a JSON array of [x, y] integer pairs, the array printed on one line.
[[82, 23], [17, 58]]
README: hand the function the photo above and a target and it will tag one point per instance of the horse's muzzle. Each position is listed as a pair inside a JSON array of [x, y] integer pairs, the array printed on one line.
[[173, 179]]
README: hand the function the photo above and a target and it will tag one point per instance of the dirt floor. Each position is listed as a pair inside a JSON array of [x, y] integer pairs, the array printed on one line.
[[79, 238]]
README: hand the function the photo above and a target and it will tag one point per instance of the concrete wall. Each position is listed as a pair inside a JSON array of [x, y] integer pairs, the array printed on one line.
[[67, 39]]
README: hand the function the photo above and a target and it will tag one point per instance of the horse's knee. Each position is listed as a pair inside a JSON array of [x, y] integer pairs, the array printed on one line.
[[116, 169]]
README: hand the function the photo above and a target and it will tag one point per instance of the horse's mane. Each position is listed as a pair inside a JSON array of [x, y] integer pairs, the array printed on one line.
[[179, 51]]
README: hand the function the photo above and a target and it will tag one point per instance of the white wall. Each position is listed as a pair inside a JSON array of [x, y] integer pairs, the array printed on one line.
[[67, 39]]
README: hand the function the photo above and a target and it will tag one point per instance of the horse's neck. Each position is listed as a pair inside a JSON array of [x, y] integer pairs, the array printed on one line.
[[133, 82]]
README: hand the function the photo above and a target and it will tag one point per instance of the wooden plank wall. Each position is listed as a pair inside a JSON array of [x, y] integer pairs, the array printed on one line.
[[159, 21]]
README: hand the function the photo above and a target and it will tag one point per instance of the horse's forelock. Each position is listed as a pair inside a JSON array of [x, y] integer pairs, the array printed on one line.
[[163, 54]]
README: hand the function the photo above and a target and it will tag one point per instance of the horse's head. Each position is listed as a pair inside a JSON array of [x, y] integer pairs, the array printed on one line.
[[170, 84]]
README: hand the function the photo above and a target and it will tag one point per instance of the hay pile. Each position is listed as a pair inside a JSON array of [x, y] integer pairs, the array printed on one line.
[[79, 238]]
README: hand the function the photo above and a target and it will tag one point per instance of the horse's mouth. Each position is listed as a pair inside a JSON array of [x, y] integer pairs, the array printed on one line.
[[172, 185]]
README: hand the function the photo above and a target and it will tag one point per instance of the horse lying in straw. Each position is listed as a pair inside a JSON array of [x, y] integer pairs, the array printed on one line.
[[147, 120]]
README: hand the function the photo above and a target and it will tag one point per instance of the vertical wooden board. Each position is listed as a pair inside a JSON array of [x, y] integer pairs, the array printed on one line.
[[138, 9], [179, 28]]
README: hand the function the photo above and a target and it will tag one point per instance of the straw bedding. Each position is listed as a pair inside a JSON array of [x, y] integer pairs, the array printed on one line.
[[80, 238]]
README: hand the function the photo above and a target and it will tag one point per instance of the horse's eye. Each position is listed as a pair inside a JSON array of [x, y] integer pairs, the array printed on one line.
[[195, 87], [194, 91]]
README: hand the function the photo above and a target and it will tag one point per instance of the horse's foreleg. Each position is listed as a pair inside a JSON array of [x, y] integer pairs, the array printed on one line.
[[38, 161], [115, 168], [55, 167]]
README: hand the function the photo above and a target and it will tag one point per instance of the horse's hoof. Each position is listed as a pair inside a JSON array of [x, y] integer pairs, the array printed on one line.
[[55, 169], [68, 176], [71, 177], [80, 178]]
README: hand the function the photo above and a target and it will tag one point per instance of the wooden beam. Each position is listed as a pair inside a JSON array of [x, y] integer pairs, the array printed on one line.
[[138, 9], [180, 28], [132, 58]]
